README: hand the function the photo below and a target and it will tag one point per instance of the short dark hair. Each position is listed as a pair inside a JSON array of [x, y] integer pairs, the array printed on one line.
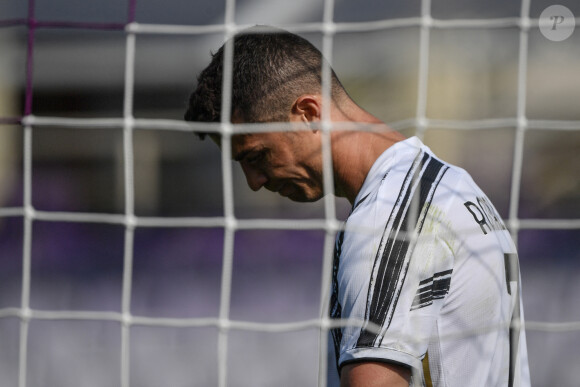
[[271, 68]]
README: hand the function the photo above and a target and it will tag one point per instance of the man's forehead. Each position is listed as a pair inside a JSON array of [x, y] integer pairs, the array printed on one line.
[[243, 139], [236, 139], [243, 142]]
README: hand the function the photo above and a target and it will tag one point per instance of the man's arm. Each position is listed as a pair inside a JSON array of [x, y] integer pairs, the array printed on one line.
[[374, 374]]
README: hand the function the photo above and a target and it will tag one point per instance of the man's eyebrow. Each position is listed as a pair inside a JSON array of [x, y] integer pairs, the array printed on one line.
[[241, 155], [244, 153]]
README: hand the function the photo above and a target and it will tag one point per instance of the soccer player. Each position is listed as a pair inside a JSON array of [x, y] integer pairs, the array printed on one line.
[[424, 260]]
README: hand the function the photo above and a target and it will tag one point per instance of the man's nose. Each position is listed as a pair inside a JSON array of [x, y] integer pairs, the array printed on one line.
[[255, 178]]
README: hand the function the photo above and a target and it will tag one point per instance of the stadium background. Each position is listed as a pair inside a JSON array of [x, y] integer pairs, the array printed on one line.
[[79, 73]]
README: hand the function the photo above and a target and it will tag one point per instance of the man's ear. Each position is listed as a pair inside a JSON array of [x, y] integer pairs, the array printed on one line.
[[306, 108]]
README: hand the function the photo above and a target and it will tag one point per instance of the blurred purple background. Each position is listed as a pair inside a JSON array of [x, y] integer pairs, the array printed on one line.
[[79, 73]]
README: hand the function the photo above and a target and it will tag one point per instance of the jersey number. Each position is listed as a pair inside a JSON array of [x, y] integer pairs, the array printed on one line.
[[512, 273]]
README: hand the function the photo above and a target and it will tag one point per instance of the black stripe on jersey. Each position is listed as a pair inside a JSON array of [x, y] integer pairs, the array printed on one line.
[[372, 313], [335, 311], [433, 288], [390, 267], [360, 202]]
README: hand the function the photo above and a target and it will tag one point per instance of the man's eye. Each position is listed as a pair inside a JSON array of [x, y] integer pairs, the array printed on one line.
[[254, 158]]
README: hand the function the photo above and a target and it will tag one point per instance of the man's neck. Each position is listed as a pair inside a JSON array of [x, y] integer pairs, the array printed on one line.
[[354, 153]]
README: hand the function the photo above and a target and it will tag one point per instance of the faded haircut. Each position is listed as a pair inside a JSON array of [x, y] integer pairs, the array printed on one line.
[[271, 68]]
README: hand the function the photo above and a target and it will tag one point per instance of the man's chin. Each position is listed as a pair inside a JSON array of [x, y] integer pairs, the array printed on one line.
[[301, 197], [295, 193]]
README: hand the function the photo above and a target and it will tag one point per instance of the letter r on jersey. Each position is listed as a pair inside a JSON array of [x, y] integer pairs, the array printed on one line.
[[478, 216]]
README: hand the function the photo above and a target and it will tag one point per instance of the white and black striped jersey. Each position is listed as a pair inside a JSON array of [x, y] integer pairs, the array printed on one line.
[[427, 271]]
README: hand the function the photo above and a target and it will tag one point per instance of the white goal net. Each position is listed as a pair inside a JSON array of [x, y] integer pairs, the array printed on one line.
[[133, 254]]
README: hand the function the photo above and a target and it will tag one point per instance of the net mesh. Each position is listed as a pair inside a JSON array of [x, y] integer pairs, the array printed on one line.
[[421, 123]]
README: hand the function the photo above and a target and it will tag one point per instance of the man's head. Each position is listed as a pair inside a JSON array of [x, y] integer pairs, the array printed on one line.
[[271, 68], [276, 77]]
